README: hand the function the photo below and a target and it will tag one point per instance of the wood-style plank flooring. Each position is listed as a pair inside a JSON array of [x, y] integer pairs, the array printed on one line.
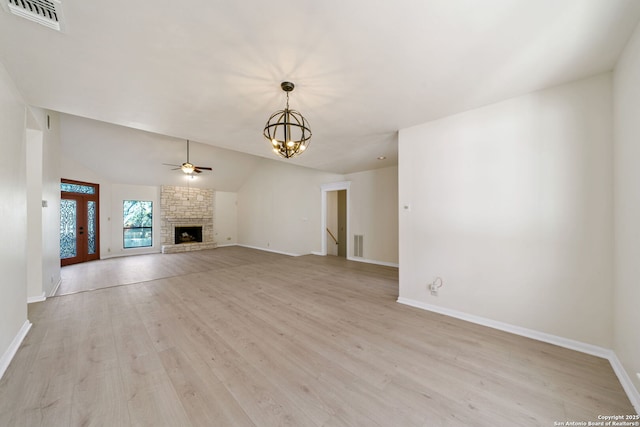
[[239, 337]]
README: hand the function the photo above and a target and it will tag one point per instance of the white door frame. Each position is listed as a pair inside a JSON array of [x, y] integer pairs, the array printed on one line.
[[325, 188]]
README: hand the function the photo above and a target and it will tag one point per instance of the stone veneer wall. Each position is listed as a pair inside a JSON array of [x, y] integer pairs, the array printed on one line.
[[180, 207]]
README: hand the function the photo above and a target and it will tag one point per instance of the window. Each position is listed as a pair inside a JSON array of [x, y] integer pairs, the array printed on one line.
[[70, 187], [138, 221]]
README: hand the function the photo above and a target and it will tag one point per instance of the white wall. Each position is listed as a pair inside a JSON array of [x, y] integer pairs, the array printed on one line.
[[279, 208], [626, 84], [373, 208], [511, 204], [50, 193], [34, 160], [43, 182], [111, 197], [13, 215], [225, 218]]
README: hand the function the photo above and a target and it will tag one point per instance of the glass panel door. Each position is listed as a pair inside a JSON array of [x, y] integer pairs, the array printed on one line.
[[68, 226], [79, 222], [72, 233]]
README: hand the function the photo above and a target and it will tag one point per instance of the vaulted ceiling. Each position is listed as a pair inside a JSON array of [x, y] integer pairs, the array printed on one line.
[[210, 71]]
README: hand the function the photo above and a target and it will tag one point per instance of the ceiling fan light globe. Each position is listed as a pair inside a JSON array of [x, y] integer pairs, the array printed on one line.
[[188, 168]]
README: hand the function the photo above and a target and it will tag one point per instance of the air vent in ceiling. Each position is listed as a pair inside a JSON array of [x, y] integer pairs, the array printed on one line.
[[45, 12]]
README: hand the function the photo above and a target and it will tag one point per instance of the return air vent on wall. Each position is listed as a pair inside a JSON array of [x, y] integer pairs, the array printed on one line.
[[357, 245], [45, 12]]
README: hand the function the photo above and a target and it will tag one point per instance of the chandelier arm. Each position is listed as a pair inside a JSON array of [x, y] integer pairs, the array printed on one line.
[[287, 128]]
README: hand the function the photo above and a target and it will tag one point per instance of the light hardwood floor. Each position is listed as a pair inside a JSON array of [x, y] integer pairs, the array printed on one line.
[[239, 337]]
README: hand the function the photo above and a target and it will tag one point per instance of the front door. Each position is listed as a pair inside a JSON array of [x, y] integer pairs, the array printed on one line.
[[79, 239]]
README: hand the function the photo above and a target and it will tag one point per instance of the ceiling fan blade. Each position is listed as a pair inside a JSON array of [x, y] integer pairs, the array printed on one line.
[[196, 170], [204, 168], [169, 164]]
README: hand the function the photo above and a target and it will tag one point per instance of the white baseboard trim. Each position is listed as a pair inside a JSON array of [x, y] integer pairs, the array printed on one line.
[[582, 347], [8, 355], [365, 260], [227, 245], [625, 380], [55, 288], [593, 350], [372, 261], [269, 250], [37, 298]]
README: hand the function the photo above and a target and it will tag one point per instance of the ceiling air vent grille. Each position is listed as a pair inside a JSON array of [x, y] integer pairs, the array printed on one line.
[[43, 12]]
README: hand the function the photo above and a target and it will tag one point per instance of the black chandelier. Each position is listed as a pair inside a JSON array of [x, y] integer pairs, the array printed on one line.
[[287, 130]]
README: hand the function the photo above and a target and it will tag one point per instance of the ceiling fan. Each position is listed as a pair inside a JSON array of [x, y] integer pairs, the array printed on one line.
[[187, 167]]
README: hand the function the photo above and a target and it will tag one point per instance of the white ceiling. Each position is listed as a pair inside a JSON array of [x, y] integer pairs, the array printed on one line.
[[210, 70], [128, 156]]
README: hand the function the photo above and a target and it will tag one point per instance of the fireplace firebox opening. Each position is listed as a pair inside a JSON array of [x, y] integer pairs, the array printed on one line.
[[190, 234]]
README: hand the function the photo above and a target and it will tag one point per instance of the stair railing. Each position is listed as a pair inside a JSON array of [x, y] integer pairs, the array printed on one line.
[[332, 236]]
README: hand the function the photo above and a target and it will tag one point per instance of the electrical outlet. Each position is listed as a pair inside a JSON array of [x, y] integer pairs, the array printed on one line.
[[434, 286], [433, 289]]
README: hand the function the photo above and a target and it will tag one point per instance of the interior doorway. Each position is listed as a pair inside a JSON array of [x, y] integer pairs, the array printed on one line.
[[337, 223], [79, 222], [335, 219]]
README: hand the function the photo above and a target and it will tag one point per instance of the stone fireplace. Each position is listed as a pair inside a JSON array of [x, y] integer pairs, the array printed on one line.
[[186, 219]]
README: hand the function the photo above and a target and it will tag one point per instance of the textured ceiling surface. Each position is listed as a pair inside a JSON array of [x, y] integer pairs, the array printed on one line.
[[210, 71]]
